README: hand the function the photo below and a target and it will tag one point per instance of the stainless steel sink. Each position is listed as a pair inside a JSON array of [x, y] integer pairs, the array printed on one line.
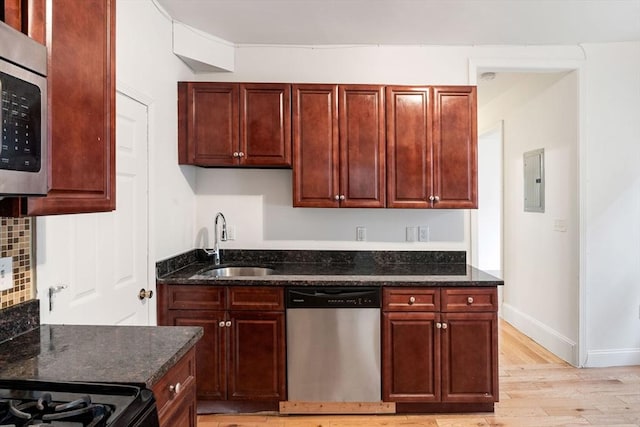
[[237, 272]]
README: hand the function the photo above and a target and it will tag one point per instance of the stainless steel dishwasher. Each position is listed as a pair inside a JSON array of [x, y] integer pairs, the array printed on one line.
[[333, 344]]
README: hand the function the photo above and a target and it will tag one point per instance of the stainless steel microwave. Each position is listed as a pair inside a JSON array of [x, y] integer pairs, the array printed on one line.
[[23, 116]]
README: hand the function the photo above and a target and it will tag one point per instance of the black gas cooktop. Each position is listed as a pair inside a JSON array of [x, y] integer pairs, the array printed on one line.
[[74, 404]]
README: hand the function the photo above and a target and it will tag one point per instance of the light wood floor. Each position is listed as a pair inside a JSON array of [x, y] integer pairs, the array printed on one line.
[[536, 390]]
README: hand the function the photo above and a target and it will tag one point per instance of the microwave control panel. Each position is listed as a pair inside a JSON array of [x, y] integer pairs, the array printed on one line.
[[20, 118]]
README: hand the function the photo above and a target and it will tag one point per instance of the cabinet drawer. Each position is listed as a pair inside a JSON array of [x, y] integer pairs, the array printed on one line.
[[469, 299], [410, 299], [180, 379], [196, 297], [256, 298]]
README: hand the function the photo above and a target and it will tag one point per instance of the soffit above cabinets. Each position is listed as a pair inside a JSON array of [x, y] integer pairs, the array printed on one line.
[[410, 22]]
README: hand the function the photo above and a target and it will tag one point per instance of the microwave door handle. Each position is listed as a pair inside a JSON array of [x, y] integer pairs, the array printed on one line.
[[1, 120]]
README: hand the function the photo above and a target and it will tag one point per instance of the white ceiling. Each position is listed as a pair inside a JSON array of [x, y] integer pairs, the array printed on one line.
[[421, 22]]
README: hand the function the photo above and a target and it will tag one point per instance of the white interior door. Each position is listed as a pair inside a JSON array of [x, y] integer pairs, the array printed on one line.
[[97, 263]]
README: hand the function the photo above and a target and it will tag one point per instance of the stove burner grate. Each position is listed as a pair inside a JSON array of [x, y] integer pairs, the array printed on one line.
[[44, 411]]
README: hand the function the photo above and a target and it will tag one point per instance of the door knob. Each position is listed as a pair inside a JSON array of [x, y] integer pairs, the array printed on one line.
[[144, 294]]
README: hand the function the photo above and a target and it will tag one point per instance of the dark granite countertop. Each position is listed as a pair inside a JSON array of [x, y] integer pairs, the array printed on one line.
[[331, 268], [118, 354]]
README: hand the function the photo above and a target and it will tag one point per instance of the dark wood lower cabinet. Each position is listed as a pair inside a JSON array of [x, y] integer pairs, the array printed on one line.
[[241, 357], [469, 357], [441, 356], [256, 366], [411, 357], [439, 346], [175, 394]]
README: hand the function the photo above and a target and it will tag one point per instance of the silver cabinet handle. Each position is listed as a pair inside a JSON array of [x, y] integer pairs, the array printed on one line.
[[470, 300], [221, 324], [412, 300], [228, 324], [175, 389]]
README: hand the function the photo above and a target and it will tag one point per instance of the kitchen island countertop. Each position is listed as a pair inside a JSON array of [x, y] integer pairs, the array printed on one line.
[[115, 354]]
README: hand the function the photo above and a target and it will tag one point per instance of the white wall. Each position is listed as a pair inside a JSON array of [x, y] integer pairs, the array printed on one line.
[[612, 204], [541, 263], [146, 67], [269, 220]]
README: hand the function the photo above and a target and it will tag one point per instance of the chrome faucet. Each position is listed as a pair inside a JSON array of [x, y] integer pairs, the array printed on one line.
[[223, 237]]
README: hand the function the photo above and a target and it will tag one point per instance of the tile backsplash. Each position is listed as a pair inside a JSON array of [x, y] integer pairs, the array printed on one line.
[[16, 241]]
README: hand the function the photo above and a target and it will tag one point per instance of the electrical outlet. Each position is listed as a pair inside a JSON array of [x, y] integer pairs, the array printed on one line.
[[423, 233], [361, 234], [412, 234], [231, 232], [6, 273]]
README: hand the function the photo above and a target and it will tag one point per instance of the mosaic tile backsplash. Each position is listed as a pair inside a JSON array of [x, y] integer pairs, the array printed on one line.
[[16, 241]]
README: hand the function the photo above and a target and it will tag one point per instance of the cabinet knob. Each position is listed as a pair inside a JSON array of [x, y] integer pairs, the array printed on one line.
[[175, 389], [470, 300], [444, 326], [436, 199], [412, 300], [342, 197], [236, 154], [431, 198], [337, 197], [228, 324], [439, 325], [221, 324], [241, 154]]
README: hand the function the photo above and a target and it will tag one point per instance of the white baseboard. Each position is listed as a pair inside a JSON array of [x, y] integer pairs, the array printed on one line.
[[612, 357], [552, 340]]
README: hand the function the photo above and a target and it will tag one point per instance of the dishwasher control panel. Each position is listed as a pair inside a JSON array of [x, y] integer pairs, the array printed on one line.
[[333, 297]]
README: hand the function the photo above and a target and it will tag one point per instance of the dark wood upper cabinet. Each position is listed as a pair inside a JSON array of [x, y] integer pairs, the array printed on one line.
[[339, 146], [455, 153], [362, 146], [232, 124], [265, 124], [409, 147], [432, 147], [80, 37], [315, 146]]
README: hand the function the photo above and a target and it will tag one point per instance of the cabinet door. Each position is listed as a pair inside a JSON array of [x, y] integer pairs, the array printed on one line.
[[455, 168], [470, 357], [208, 124], [175, 394], [257, 356], [362, 146], [265, 124], [409, 147], [211, 350], [410, 357], [27, 16], [315, 146], [81, 89]]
